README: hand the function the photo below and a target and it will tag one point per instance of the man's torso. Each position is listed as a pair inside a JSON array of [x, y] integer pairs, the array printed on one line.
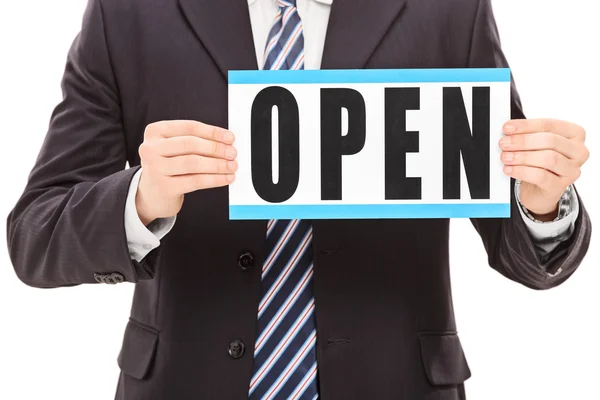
[[384, 312]]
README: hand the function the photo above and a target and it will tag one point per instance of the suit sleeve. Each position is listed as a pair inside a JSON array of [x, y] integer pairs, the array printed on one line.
[[509, 245], [68, 224]]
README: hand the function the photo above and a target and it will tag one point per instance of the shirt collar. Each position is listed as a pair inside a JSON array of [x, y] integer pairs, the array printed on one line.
[[326, 2]]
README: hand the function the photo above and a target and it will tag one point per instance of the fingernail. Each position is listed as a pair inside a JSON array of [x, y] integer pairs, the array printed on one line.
[[505, 141], [228, 136], [508, 156], [232, 165], [230, 152], [508, 128], [508, 170], [230, 178]]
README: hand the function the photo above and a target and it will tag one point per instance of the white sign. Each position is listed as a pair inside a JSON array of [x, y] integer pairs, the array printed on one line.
[[369, 143]]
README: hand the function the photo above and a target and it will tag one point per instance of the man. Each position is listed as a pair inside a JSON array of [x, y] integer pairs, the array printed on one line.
[[330, 309]]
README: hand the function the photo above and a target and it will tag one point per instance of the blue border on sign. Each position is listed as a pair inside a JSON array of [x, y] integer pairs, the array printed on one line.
[[368, 211], [271, 77]]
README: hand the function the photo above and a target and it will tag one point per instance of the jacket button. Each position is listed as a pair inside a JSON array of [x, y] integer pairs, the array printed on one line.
[[117, 278], [236, 349], [246, 261], [109, 279]]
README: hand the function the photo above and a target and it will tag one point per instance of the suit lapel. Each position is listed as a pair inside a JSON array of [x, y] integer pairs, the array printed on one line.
[[355, 29], [223, 27]]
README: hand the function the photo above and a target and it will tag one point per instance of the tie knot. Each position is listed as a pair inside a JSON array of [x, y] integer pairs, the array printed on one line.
[[286, 3]]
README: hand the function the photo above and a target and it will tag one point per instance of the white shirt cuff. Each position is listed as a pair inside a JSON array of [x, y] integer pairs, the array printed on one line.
[[141, 240], [548, 235]]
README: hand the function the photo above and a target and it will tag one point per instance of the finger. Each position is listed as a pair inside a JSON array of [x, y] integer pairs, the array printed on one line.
[[546, 159], [190, 183], [175, 128], [563, 128], [184, 145], [541, 141], [193, 164], [542, 178]]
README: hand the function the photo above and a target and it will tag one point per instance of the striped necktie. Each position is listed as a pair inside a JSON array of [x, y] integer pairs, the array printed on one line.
[[285, 358]]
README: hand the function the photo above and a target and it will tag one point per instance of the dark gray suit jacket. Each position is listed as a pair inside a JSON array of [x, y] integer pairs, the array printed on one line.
[[386, 327]]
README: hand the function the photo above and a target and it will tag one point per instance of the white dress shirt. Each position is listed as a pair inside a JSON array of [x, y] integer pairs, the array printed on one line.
[[315, 17]]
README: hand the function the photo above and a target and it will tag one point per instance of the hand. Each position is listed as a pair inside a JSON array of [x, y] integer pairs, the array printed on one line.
[[546, 155], [180, 157]]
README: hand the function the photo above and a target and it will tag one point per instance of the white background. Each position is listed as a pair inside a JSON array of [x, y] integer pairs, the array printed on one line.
[[521, 344]]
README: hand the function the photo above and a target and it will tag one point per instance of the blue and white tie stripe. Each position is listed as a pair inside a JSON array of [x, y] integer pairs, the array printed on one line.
[[285, 357], [285, 45]]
